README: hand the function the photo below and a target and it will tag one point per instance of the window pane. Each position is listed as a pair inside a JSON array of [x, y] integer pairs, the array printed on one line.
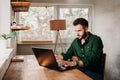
[[70, 14], [38, 19]]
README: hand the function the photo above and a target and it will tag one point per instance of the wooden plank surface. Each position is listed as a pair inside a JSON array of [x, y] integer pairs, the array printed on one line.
[[30, 70], [14, 28], [37, 41]]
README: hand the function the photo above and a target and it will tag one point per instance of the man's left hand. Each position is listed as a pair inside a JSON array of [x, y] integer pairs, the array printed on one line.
[[70, 63]]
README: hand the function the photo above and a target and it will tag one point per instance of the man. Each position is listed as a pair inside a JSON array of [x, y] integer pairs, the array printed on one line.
[[88, 49]]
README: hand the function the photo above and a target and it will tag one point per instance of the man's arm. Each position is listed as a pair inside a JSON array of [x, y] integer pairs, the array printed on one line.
[[59, 57], [70, 63], [70, 52], [75, 63]]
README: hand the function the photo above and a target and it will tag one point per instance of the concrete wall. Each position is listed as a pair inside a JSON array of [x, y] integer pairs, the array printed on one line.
[[26, 49], [5, 20], [5, 16], [107, 25]]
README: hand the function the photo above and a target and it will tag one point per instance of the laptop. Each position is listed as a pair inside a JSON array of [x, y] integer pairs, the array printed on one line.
[[46, 58]]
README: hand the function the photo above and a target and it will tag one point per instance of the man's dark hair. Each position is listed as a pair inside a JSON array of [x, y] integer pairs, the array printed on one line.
[[81, 21]]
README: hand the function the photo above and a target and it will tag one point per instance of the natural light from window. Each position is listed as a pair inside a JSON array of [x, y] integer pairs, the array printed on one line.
[[38, 19]]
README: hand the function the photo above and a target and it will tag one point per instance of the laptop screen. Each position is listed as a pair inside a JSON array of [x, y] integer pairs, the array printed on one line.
[[45, 57]]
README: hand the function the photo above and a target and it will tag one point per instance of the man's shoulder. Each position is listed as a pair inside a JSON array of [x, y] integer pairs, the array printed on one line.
[[94, 36], [96, 39], [76, 39]]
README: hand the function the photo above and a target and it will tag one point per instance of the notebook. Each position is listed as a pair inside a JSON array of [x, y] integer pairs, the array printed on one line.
[[17, 58], [46, 58]]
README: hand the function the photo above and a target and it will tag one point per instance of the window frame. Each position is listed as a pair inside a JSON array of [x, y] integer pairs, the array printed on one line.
[[90, 16], [90, 12]]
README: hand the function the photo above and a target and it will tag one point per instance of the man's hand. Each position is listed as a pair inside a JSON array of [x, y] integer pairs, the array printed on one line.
[[80, 63], [59, 57], [66, 63], [74, 63], [70, 63], [61, 62]]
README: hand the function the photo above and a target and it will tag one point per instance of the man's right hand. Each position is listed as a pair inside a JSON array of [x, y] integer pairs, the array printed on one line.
[[59, 57]]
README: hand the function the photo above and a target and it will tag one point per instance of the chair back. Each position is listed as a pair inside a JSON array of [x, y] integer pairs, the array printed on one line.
[[103, 64]]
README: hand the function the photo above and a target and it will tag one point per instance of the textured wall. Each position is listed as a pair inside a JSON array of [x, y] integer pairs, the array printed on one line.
[[107, 25], [4, 16], [5, 22], [26, 49]]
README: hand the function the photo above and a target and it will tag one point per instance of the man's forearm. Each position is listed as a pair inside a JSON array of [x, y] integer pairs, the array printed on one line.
[[58, 56], [79, 62], [75, 63]]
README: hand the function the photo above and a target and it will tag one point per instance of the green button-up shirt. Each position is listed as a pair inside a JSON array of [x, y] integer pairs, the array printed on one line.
[[90, 52]]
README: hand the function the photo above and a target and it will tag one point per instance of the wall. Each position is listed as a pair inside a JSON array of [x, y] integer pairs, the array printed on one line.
[[107, 25], [26, 49], [5, 16]]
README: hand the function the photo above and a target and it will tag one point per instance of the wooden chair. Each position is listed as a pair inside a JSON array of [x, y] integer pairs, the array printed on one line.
[[103, 66]]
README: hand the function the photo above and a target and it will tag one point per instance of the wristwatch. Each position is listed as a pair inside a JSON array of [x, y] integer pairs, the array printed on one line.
[[76, 63]]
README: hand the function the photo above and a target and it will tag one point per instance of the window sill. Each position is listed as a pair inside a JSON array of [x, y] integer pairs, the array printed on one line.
[[16, 28], [44, 42], [35, 42], [5, 58]]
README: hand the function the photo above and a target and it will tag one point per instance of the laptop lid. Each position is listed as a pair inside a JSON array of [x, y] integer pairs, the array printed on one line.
[[45, 58]]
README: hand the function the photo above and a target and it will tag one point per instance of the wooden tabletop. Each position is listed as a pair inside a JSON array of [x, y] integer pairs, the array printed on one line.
[[30, 70]]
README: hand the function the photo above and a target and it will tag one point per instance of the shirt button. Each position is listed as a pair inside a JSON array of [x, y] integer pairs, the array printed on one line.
[[83, 55]]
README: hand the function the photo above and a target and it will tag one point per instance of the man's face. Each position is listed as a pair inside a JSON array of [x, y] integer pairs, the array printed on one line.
[[81, 31]]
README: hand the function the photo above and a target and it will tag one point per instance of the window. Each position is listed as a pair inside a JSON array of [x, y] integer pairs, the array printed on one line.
[[38, 19], [70, 13]]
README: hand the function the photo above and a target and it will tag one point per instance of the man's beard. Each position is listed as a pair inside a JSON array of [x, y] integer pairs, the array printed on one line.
[[83, 36]]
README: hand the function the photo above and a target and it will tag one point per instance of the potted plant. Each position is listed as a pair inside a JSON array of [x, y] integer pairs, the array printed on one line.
[[5, 39]]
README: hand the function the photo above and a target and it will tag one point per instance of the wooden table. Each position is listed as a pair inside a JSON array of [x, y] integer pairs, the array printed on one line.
[[30, 70]]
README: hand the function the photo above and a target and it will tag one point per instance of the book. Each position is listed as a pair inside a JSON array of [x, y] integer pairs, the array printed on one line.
[[17, 58]]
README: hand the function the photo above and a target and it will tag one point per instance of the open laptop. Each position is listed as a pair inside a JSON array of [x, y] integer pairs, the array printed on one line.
[[46, 58]]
